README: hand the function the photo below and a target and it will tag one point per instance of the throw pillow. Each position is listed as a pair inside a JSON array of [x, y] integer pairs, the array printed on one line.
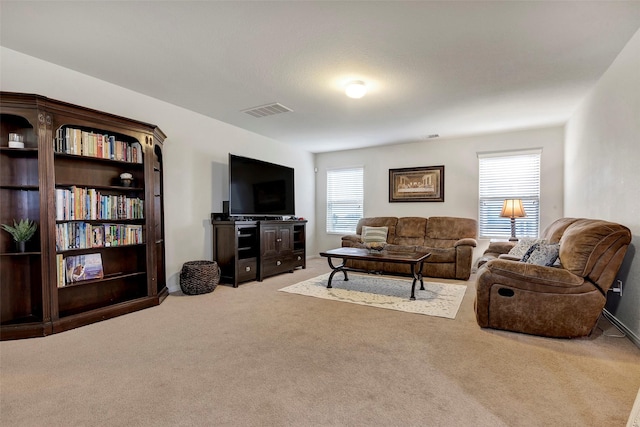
[[523, 246], [374, 234], [542, 254]]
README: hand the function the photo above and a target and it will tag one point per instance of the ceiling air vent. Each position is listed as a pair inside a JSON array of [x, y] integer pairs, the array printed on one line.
[[267, 110]]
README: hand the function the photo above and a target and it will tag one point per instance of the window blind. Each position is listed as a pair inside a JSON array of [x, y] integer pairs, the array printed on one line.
[[509, 175], [345, 199]]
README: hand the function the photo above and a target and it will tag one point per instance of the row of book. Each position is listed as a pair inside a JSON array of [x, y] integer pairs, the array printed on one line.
[[78, 268], [86, 143], [77, 203], [82, 235]]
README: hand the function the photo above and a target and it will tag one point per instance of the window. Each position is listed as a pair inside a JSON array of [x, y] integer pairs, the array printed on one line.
[[345, 197], [509, 175]]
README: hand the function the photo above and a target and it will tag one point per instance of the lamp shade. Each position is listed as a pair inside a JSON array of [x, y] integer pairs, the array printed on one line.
[[512, 208]]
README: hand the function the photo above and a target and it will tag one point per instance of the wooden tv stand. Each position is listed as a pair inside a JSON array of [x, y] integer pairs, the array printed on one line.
[[253, 250]]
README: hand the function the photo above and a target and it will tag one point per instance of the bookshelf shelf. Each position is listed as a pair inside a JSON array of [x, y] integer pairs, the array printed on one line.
[[23, 320], [103, 221], [31, 181], [20, 187], [30, 152], [20, 253], [109, 278], [76, 251], [59, 155], [114, 188]]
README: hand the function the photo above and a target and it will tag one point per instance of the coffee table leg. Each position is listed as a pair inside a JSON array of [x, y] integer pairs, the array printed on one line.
[[417, 275], [335, 270], [413, 284]]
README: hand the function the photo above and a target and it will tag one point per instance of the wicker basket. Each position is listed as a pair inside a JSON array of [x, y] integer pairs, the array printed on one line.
[[199, 277]]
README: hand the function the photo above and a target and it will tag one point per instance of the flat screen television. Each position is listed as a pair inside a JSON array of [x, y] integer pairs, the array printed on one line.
[[260, 189]]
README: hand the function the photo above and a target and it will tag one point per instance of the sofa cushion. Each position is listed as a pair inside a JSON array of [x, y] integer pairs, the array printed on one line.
[[410, 231], [542, 254], [451, 228], [374, 234]]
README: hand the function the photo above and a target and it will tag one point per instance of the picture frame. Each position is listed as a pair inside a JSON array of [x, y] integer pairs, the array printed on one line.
[[419, 184]]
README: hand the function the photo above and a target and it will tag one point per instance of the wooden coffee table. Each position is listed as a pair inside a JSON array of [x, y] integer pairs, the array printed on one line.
[[414, 259]]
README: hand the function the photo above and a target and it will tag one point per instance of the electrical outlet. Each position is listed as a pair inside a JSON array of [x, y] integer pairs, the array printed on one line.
[[618, 288]]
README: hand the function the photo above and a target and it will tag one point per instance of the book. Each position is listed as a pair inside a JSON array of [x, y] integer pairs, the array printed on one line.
[[84, 267], [136, 152], [98, 237], [61, 270]]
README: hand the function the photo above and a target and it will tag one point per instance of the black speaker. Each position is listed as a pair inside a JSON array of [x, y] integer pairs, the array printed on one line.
[[225, 207]]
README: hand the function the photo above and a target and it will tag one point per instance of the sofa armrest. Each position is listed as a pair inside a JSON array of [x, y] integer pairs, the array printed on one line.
[[466, 242], [464, 261], [350, 240], [523, 275], [499, 247], [509, 257]]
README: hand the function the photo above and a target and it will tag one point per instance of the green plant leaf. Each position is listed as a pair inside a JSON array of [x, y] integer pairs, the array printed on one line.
[[21, 231]]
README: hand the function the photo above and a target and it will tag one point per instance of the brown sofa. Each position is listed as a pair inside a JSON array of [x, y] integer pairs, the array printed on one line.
[[449, 240], [564, 300]]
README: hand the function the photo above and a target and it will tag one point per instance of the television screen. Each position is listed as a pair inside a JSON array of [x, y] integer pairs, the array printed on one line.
[[258, 188]]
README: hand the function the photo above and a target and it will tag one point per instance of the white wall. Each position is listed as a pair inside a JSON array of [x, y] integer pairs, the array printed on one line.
[[602, 173], [459, 157], [195, 152]]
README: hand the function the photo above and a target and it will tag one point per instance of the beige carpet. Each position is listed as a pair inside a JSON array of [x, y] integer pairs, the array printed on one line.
[[391, 293], [253, 356]]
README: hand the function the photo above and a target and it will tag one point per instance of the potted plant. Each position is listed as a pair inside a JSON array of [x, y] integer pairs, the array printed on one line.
[[21, 231]]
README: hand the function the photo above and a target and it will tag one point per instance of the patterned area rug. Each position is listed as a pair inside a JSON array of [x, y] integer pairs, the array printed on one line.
[[438, 299]]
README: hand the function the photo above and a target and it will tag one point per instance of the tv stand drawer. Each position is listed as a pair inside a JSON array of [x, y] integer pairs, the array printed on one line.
[[247, 269], [277, 265]]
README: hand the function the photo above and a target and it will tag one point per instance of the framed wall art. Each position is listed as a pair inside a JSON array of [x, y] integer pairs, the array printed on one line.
[[423, 184]]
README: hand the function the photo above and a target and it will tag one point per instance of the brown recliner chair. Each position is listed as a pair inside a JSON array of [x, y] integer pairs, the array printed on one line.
[[558, 301]]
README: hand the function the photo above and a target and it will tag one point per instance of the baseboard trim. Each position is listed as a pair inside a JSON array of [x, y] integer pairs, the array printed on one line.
[[633, 337], [634, 418]]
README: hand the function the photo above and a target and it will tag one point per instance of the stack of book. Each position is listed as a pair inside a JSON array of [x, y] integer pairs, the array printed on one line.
[[88, 203], [94, 144], [82, 235]]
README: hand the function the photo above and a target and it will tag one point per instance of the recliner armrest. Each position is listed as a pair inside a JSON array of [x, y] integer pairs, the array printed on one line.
[[500, 247], [509, 257], [467, 241], [533, 277], [351, 239]]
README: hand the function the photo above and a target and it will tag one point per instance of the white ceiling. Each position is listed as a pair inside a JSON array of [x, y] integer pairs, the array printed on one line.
[[451, 68]]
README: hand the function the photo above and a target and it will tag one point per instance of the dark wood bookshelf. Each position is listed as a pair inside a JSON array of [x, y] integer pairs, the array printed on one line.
[[32, 304]]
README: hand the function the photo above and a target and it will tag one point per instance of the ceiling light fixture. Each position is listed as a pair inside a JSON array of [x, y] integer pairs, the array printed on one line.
[[356, 89]]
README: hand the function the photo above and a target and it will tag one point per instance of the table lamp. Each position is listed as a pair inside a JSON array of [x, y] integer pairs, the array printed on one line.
[[512, 208]]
